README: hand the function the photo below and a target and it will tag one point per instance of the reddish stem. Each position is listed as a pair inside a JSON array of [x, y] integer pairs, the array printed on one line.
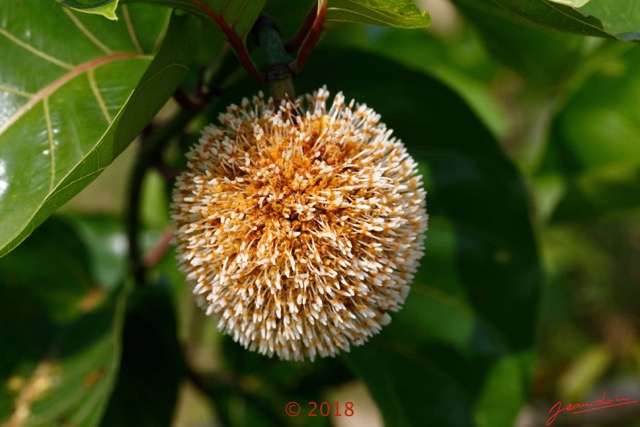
[[234, 40], [313, 37], [155, 255], [293, 45], [185, 101]]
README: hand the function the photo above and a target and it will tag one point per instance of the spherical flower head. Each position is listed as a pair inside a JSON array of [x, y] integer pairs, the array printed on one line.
[[300, 227]]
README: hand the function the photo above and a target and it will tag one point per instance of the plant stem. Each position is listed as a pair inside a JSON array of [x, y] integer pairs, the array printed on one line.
[[155, 254], [313, 36], [236, 42], [150, 147], [278, 73], [293, 45]]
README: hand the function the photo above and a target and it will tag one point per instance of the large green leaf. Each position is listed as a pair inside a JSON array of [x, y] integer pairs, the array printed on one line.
[[468, 325], [534, 51], [460, 62], [96, 86], [387, 13], [620, 18], [555, 15], [593, 145], [151, 368], [59, 333], [438, 364], [605, 18]]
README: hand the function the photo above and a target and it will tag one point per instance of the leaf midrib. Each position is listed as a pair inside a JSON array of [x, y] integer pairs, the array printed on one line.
[[61, 81]]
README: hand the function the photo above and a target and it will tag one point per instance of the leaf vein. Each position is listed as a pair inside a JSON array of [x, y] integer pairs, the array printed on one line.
[[161, 34], [89, 175], [240, 13], [35, 51], [96, 92], [52, 155], [62, 80], [571, 18], [88, 34], [15, 92], [131, 29]]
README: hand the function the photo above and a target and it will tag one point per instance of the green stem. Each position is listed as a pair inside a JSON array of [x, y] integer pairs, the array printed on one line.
[[278, 72]]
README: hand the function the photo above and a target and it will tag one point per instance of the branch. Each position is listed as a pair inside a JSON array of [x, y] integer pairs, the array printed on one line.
[[151, 145], [186, 101], [277, 60], [313, 36], [235, 41], [294, 44], [155, 255]]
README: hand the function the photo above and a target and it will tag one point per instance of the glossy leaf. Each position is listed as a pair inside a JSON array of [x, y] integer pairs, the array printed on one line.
[[96, 86], [460, 63], [572, 3], [533, 51], [60, 333], [451, 372], [604, 18], [408, 388], [463, 342], [620, 18], [555, 15], [594, 140], [106, 8], [393, 13]]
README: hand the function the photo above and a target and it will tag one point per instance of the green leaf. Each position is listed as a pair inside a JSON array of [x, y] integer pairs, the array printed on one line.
[[463, 339], [620, 18], [472, 380], [60, 333], [289, 15], [96, 88], [554, 15], [593, 143], [604, 18], [394, 13], [572, 3], [151, 368], [238, 16], [533, 51], [106, 8], [461, 63], [408, 388]]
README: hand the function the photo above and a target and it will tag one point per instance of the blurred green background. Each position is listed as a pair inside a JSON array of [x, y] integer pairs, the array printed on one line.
[[528, 294]]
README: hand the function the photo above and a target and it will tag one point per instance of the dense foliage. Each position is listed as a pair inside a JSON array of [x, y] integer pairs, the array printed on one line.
[[522, 115]]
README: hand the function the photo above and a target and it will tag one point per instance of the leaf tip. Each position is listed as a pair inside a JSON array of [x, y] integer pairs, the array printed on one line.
[[106, 8]]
